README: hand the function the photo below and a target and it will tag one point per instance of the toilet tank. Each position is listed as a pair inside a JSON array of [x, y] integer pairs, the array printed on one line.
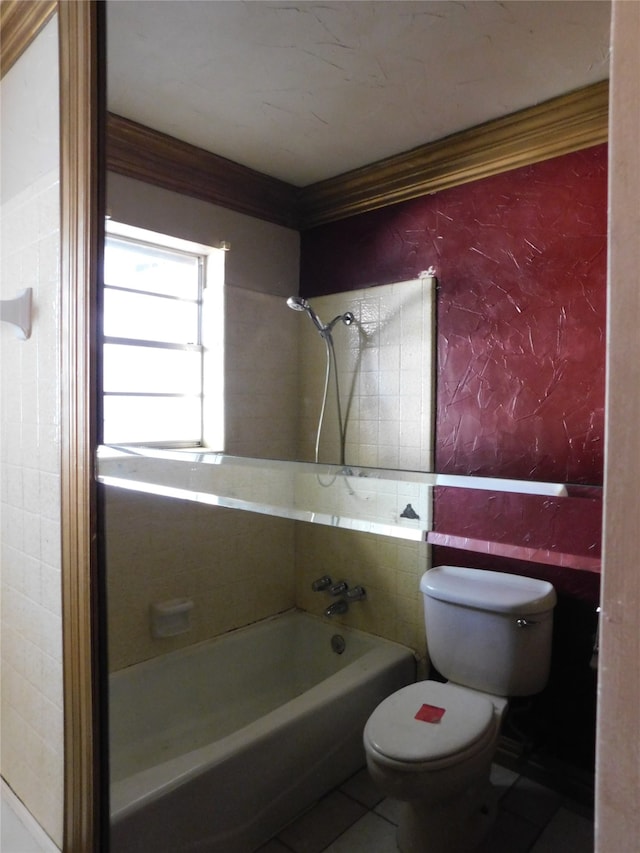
[[489, 630]]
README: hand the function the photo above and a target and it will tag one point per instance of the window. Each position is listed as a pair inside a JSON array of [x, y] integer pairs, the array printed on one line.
[[154, 352]]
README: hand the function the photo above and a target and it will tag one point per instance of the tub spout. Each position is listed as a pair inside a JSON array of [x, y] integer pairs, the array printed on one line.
[[336, 608]]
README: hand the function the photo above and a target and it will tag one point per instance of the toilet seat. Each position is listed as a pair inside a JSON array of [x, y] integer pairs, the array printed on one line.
[[397, 737]]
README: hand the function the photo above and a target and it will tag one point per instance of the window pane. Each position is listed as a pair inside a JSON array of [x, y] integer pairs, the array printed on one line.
[[151, 370], [151, 269], [149, 318], [151, 419]]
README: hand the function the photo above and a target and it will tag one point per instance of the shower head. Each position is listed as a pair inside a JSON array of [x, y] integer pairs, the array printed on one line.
[[300, 304]]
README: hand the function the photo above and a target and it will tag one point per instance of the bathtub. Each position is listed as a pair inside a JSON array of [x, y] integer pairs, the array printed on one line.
[[216, 747]]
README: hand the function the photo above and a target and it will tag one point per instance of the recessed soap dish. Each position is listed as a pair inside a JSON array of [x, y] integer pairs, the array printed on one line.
[[170, 618]]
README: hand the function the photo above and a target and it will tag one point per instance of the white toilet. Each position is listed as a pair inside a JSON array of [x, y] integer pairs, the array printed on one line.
[[431, 744]]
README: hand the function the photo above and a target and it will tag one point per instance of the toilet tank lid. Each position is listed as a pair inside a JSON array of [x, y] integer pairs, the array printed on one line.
[[487, 590]]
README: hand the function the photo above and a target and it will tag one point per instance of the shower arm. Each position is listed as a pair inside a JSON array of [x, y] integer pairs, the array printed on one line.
[[347, 319]]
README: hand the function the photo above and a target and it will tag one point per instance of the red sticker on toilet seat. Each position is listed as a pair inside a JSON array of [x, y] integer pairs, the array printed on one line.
[[430, 714]]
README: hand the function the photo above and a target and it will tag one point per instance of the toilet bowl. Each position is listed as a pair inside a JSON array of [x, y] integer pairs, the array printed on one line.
[[430, 745], [439, 769]]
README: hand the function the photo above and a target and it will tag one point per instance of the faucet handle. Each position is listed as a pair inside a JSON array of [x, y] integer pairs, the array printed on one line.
[[321, 583], [339, 588], [356, 593]]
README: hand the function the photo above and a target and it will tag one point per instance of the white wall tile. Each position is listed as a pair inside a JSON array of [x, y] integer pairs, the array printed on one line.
[[32, 729]]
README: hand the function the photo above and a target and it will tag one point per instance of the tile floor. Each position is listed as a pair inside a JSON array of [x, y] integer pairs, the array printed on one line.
[[354, 819]]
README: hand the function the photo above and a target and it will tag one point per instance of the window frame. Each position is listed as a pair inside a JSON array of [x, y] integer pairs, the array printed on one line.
[[166, 243]]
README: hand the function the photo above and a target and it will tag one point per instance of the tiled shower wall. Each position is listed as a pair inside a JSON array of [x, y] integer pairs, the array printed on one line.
[[31, 712], [385, 362], [386, 377], [261, 375], [238, 566], [389, 569]]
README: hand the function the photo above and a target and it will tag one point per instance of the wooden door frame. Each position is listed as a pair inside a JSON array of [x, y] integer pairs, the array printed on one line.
[[81, 69], [81, 237]]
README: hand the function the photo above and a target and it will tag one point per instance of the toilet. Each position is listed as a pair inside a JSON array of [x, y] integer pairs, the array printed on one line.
[[431, 744]]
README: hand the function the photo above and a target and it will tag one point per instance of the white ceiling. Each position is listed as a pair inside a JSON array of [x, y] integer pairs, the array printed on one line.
[[307, 90]]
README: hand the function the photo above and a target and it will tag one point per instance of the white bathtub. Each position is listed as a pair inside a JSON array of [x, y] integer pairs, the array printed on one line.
[[214, 748]]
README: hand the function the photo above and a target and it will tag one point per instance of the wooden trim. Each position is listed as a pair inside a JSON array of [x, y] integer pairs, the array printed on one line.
[[559, 126], [81, 236], [20, 23], [147, 155]]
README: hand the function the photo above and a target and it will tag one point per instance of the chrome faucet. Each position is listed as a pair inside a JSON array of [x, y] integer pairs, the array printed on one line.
[[356, 593], [340, 606], [341, 588]]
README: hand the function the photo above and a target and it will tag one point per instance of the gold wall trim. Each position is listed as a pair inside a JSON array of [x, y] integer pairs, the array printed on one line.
[[559, 126], [20, 23], [80, 247], [148, 155]]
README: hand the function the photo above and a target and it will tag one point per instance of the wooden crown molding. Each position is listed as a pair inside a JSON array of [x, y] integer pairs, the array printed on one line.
[[148, 155], [559, 126], [20, 23]]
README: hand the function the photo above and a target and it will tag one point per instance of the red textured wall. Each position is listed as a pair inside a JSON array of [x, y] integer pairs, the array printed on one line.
[[521, 265]]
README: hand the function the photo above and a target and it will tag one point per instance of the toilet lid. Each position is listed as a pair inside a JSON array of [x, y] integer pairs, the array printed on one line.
[[428, 721]]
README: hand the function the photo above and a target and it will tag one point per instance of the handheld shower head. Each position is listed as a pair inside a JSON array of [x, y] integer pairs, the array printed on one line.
[[298, 303]]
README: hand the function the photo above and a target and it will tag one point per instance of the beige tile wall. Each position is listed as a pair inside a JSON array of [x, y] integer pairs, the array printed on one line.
[[386, 376], [31, 692], [236, 567], [261, 375], [385, 372], [388, 569]]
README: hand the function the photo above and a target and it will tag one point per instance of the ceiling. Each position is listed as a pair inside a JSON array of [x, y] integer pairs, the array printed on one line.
[[304, 91]]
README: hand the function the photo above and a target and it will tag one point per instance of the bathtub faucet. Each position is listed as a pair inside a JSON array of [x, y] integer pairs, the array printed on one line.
[[336, 608], [356, 593]]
